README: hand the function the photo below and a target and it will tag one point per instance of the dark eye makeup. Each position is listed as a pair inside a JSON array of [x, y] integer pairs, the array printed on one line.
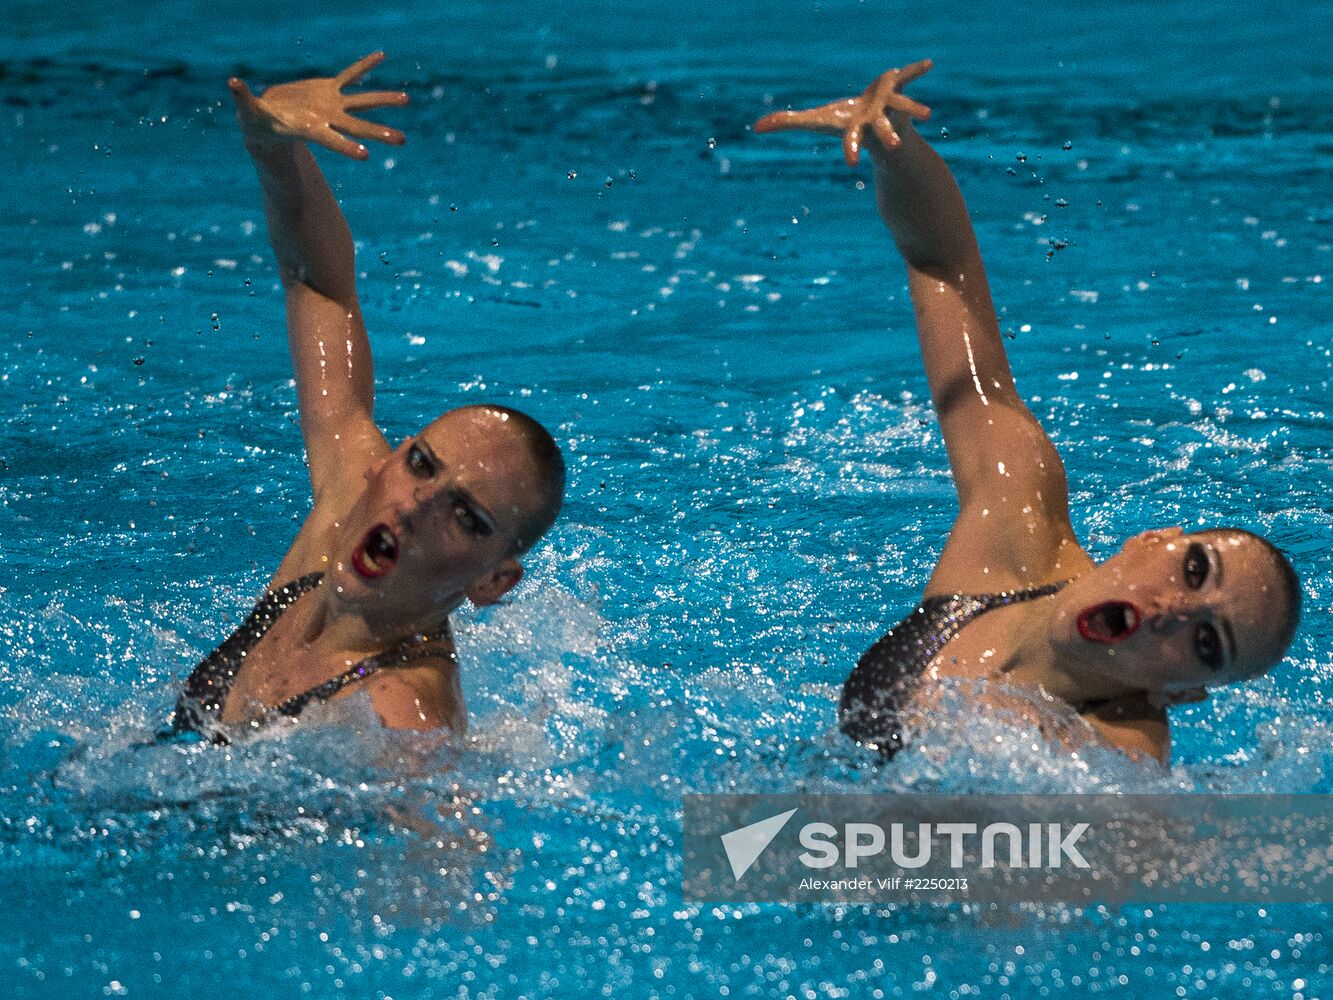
[[423, 464], [1196, 565], [1208, 646], [419, 462], [470, 520]]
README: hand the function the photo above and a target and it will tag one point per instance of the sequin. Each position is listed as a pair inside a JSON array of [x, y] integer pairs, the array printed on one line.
[[199, 708], [879, 689]]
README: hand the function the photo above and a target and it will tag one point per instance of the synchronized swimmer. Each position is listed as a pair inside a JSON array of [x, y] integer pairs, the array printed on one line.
[[1014, 597], [398, 537]]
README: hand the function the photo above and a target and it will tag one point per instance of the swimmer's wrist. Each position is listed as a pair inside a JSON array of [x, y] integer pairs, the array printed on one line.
[[262, 142], [274, 153]]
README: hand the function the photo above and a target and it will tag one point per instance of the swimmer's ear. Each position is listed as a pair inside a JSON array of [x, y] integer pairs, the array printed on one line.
[[495, 584], [1155, 536]]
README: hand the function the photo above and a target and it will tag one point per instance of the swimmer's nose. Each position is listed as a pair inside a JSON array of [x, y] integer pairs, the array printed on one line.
[[1165, 621]]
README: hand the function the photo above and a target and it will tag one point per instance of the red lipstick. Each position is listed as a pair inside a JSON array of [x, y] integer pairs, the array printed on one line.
[[1109, 622], [377, 553]]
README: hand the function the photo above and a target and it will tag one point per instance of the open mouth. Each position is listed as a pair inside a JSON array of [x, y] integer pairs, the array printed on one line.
[[1113, 621], [377, 553]]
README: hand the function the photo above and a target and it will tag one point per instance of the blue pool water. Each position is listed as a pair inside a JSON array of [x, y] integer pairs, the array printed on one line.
[[716, 328]]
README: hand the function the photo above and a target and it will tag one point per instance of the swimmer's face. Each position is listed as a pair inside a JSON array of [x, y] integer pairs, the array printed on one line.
[[440, 517], [1173, 613]]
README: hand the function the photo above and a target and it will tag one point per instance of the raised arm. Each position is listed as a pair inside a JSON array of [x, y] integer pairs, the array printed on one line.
[[1013, 526], [325, 332]]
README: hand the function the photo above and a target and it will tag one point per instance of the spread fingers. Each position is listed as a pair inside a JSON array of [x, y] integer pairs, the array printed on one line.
[[353, 73], [330, 139], [362, 129], [374, 99], [913, 70]]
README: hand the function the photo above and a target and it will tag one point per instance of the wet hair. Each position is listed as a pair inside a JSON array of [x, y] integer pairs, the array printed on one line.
[[550, 467], [1289, 582]]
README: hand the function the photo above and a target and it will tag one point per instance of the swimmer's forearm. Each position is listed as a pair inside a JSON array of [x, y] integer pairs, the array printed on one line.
[[960, 339], [307, 230], [922, 206], [326, 334], [317, 264]]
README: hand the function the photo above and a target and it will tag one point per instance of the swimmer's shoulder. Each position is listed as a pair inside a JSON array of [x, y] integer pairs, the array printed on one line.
[[974, 562], [425, 696]]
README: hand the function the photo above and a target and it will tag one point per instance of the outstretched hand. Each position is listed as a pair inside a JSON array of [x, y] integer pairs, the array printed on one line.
[[317, 110], [852, 116]]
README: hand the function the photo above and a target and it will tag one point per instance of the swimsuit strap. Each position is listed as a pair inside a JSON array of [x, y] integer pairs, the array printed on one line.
[[989, 601], [876, 693], [208, 685], [947, 614], [407, 652]]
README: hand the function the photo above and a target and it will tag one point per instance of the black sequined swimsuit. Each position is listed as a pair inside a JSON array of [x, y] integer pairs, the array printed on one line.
[[199, 708], [878, 690]]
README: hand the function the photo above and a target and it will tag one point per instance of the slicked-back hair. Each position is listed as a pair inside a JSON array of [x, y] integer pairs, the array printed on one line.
[[550, 467], [1290, 583]]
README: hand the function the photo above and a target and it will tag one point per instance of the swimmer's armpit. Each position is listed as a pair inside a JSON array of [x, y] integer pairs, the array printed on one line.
[[316, 110]]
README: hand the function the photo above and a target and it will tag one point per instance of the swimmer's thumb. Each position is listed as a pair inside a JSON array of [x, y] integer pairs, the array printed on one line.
[[240, 93]]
